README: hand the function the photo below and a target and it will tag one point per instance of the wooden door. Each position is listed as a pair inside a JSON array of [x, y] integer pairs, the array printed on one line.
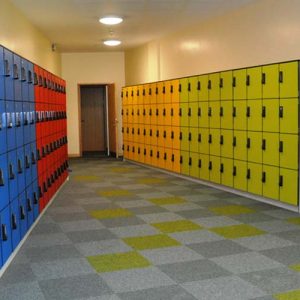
[[112, 119]]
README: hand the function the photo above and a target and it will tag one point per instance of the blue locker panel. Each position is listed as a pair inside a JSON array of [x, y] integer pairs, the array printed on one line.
[[19, 123], [3, 143], [34, 170], [29, 206], [21, 169], [2, 94], [26, 122], [8, 75], [35, 198], [23, 214], [5, 234], [27, 164], [4, 194], [24, 80], [12, 174], [32, 122], [30, 81], [17, 77], [10, 125], [15, 223]]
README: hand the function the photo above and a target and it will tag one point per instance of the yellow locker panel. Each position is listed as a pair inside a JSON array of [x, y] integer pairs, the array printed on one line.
[[254, 83], [203, 135], [184, 139], [147, 112], [214, 114], [193, 164], [135, 95], [193, 114], [240, 145], [168, 137], [137, 133], [270, 146], [140, 94], [288, 151], [254, 176], [288, 186], [270, 82], [202, 88], [131, 152], [160, 136], [288, 79], [176, 161], [214, 142], [214, 87], [135, 115], [226, 109], [270, 115], [226, 85], [174, 89], [136, 152], [159, 113], [214, 169], [239, 84], [254, 115], [130, 95], [175, 136], [123, 96], [167, 92], [175, 119], [184, 161], [193, 89], [140, 114], [193, 140], [203, 164], [153, 135], [270, 185], [240, 175], [226, 170], [288, 115], [147, 154], [183, 90], [158, 91], [142, 134], [160, 158], [168, 159], [254, 146], [203, 114], [169, 111], [239, 113], [226, 142], [183, 113]]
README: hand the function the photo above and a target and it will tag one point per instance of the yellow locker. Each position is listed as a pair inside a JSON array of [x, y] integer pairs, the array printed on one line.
[[174, 89], [270, 187], [254, 146], [288, 115], [167, 92], [193, 164], [142, 133], [240, 145], [214, 142], [203, 145], [159, 113], [240, 175], [147, 154], [183, 90], [203, 114], [153, 135], [184, 161], [131, 152], [157, 91], [270, 146], [184, 139], [168, 137], [254, 83], [193, 140], [137, 132], [140, 94], [175, 119], [135, 152], [288, 151], [135, 95], [226, 109], [184, 118], [129, 95], [270, 115], [239, 114], [193, 114], [288, 186], [202, 87], [168, 159], [147, 112], [123, 96], [270, 82], [148, 131], [203, 165], [214, 87], [288, 79], [226, 169], [160, 158], [226, 142], [176, 161], [226, 88], [169, 111], [175, 136], [135, 115], [214, 114], [193, 89], [254, 176], [239, 84], [214, 169], [160, 136], [254, 115]]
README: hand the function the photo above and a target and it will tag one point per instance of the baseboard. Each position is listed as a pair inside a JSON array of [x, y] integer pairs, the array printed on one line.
[[74, 155]]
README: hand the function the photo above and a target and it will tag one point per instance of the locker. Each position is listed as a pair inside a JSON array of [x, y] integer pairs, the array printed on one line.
[[254, 176], [183, 113], [226, 142], [148, 134], [193, 164], [21, 169], [168, 115], [11, 129], [288, 115], [214, 114], [24, 80], [270, 115], [254, 115], [239, 84], [26, 122], [239, 114], [254, 146], [12, 174], [214, 87], [203, 88], [30, 81], [8, 75], [129, 95], [193, 140], [17, 77], [153, 135], [226, 88], [214, 169], [270, 81], [175, 114], [184, 139], [161, 158], [193, 89], [15, 223], [142, 134], [157, 92], [135, 96], [135, 116], [2, 89], [270, 185], [288, 151], [176, 160], [288, 186], [160, 136], [193, 114], [168, 159], [167, 92], [254, 83], [226, 114], [203, 114], [214, 142], [3, 144], [140, 118], [175, 136], [288, 79], [19, 124], [240, 145], [35, 193], [23, 214], [203, 136], [183, 90], [158, 114], [184, 161], [270, 146], [5, 234], [175, 91], [168, 137], [226, 169], [4, 182], [203, 164]]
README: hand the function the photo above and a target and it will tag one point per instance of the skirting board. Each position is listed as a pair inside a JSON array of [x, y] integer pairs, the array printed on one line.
[[223, 188], [15, 252]]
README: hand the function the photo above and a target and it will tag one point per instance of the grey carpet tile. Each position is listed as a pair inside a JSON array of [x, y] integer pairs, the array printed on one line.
[[46, 228], [253, 217], [286, 255], [70, 217], [51, 239], [195, 213], [293, 236], [90, 235], [80, 225], [124, 221], [147, 210]]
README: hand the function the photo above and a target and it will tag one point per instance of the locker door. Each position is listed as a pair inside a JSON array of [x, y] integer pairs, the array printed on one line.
[[35, 199], [254, 146], [176, 160], [288, 186], [239, 84], [226, 114], [12, 174], [202, 87], [21, 169], [3, 139], [29, 206], [4, 183], [23, 214], [254, 176], [270, 185], [156, 114], [183, 90], [168, 141], [203, 114], [167, 92], [193, 140], [175, 136], [226, 85], [15, 223], [175, 114], [153, 135], [214, 142], [270, 115], [184, 118], [11, 129], [240, 175], [239, 145], [193, 164], [24, 80], [160, 136], [270, 146], [5, 234], [203, 136], [19, 124], [169, 114], [270, 82], [288, 78], [8, 75], [254, 115], [146, 113], [158, 91], [214, 169], [184, 139], [174, 89], [184, 161], [288, 151], [226, 142], [288, 115], [214, 114], [239, 115], [17, 77], [226, 169], [254, 83], [214, 87], [168, 159], [193, 89], [134, 97], [142, 134], [26, 122], [30, 79], [203, 164], [147, 155], [193, 114]]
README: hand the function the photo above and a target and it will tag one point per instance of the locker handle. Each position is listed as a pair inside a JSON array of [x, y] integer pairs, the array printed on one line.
[[157, 154], [234, 81], [180, 136], [199, 86], [165, 156], [190, 136], [189, 87], [173, 158], [209, 111], [132, 132], [150, 112], [199, 112], [281, 146], [157, 112], [13, 222], [145, 152], [138, 112], [263, 146], [4, 233], [210, 139], [280, 77], [38, 154], [150, 132], [221, 140], [209, 84], [18, 120], [11, 172], [132, 112], [280, 180], [6, 68], [181, 160], [234, 171], [40, 192], [210, 165], [248, 111], [151, 153], [22, 213], [248, 143], [199, 163], [49, 182], [190, 112], [150, 92], [171, 89], [263, 78], [190, 161], [27, 163], [165, 134], [172, 135], [138, 93], [199, 137], [29, 206], [133, 149], [234, 111], [221, 83], [280, 111], [138, 132], [139, 150], [35, 79], [164, 112], [180, 112], [144, 112], [172, 112], [25, 119], [221, 111], [156, 91], [144, 92], [248, 80], [157, 133], [263, 112], [248, 174], [23, 74], [15, 72], [33, 159], [179, 88], [144, 132], [263, 177], [122, 129], [1, 178], [164, 90], [222, 168]]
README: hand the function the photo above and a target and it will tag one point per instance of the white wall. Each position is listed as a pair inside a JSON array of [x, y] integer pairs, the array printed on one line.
[[90, 68]]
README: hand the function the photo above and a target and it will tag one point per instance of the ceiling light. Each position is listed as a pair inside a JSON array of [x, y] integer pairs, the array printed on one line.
[[112, 42], [111, 20]]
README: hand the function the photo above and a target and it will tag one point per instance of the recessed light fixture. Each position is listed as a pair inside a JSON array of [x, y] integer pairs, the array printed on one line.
[[111, 20], [112, 43]]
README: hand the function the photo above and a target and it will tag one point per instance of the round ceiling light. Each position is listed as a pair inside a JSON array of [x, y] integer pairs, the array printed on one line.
[[111, 20], [112, 43]]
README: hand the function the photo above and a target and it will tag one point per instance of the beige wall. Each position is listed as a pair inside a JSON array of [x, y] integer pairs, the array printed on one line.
[[20, 36], [90, 68], [262, 32]]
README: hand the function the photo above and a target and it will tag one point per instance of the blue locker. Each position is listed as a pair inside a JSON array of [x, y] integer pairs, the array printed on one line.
[[24, 80], [23, 214], [35, 198], [17, 77], [34, 170], [19, 123], [30, 80], [4, 194], [29, 206], [2, 94], [12, 165], [15, 223], [5, 234], [32, 122], [8, 75], [26, 122], [21, 169], [28, 167], [10, 125], [3, 139]]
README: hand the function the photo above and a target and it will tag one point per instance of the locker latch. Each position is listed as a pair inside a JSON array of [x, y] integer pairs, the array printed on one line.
[[180, 136], [263, 112], [190, 161], [199, 86], [199, 137], [138, 93], [263, 146], [234, 81], [280, 180], [280, 111], [164, 112], [190, 136], [138, 112], [165, 156], [180, 112], [173, 158], [23, 74], [6, 68], [150, 112], [29, 206], [1, 178], [221, 140], [4, 233], [221, 111], [190, 112], [199, 112], [172, 112], [248, 174], [210, 166], [35, 79], [248, 111], [209, 111], [144, 92], [210, 139], [138, 132], [27, 163], [157, 133], [179, 88], [151, 153], [199, 163], [234, 141], [139, 150], [281, 146], [18, 119], [40, 192], [263, 78], [248, 143], [280, 77], [133, 149], [25, 118], [11, 172], [222, 168], [181, 159], [263, 177], [150, 92], [157, 154], [221, 83], [16, 72], [248, 80], [171, 89], [172, 135], [22, 213], [145, 152], [164, 90], [234, 171], [209, 84], [234, 111], [13, 222], [165, 134]]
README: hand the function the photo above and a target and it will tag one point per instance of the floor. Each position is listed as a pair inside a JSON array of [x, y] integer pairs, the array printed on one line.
[[122, 231]]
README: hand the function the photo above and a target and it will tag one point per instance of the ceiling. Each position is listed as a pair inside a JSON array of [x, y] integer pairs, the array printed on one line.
[[73, 24]]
